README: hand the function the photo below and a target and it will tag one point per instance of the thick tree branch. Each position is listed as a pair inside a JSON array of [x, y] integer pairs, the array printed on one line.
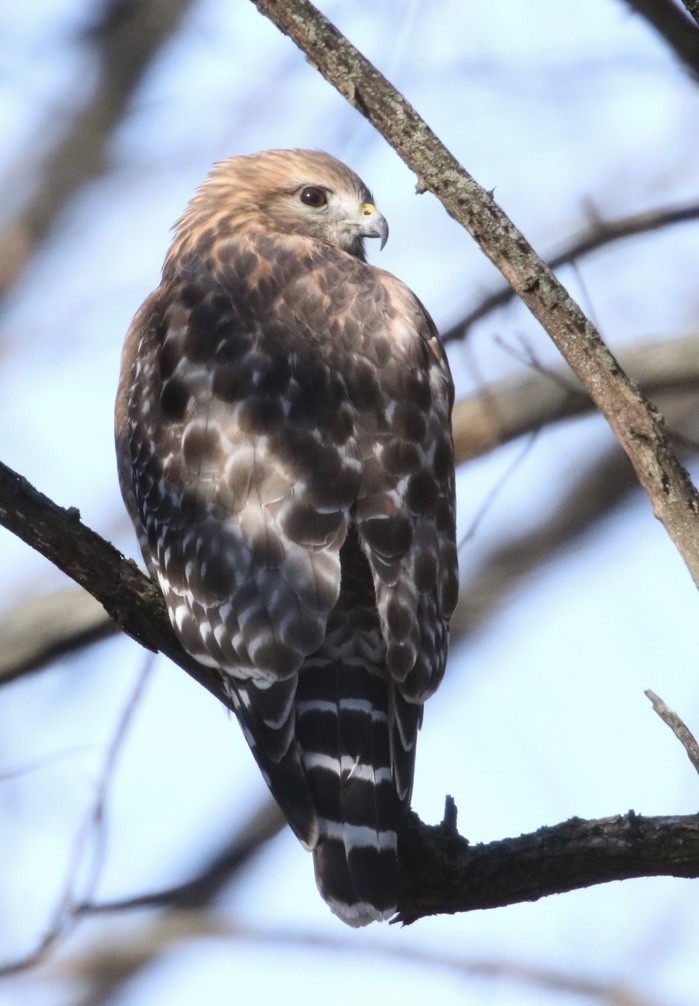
[[600, 233], [692, 7], [440, 872], [636, 425], [131, 599]]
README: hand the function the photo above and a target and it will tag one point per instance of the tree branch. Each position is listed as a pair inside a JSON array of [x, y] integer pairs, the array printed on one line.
[[674, 27], [679, 728], [636, 425], [509, 408], [440, 872], [38, 631], [600, 233], [200, 890], [131, 599], [126, 38], [692, 7]]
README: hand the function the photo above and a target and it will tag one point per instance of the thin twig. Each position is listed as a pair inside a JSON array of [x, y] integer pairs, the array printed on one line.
[[99, 962], [600, 233], [681, 731], [92, 831]]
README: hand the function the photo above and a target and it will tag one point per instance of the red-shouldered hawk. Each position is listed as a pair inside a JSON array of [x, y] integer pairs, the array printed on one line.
[[285, 453]]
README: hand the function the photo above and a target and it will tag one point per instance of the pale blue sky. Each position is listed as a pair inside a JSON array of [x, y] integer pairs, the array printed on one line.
[[542, 715]]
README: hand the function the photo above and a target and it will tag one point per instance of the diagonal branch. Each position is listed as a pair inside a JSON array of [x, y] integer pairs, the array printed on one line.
[[201, 889], [679, 728], [600, 233], [131, 599], [692, 7], [126, 38], [36, 632], [637, 426]]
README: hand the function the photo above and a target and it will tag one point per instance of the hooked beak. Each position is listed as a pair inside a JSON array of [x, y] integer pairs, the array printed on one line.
[[373, 224]]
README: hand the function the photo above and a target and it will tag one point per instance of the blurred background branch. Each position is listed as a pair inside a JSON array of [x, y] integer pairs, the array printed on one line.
[[674, 27], [599, 233], [125, 39]]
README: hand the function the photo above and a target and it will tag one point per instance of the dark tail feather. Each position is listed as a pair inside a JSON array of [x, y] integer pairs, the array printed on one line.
[[359, 883], [267, 718], [343, 728]]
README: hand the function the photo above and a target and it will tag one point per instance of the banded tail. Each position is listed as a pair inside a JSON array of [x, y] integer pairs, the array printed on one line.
[[345, 722], [336, 746]]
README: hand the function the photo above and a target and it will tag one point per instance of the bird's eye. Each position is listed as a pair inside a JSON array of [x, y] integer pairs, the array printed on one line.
[[312, 196]]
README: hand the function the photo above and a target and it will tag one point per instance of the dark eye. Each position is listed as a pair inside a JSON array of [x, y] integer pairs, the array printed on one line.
[[311, 195]]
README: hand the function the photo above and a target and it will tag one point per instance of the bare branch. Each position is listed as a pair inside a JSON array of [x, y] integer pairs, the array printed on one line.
[[440, 872], [692, 7], [682, 732], [91, 832], [100, 961], [185, 902], [674, 27], [264, 824], [600, 233], [126, 39], [131, 599], [44, 628], [636, 425], [500, 412]]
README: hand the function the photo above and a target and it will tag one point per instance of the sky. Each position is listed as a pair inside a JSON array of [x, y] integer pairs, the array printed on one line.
[[568, 113]]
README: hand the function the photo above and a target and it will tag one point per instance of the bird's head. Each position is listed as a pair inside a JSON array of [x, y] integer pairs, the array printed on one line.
[[303, 192]]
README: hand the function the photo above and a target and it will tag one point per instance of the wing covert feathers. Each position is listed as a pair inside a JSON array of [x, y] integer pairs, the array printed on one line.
[[284, 450]]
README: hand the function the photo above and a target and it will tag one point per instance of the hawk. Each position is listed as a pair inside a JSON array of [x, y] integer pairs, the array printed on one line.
[[285, 453]]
